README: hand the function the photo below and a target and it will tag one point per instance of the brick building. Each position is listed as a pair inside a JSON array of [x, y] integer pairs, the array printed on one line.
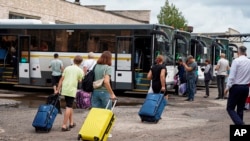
[[61, 11]]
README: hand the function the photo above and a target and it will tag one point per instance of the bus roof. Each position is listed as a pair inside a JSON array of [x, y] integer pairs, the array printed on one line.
[[81, 26]]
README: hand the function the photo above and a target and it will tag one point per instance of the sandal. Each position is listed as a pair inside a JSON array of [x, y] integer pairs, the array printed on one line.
[[65, 129], [72, 126]]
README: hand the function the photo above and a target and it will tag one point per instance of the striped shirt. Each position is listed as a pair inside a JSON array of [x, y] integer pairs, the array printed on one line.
[[239, 72]]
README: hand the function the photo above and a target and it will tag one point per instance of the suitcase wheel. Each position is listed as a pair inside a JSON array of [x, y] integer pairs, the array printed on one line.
[[96, 139], [48, 130], [79, 137]]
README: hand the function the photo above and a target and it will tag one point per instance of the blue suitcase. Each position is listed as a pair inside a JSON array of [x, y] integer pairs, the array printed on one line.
[[45, 117], [152, 108]]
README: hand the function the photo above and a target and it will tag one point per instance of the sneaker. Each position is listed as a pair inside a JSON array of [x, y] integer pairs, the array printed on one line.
[[110, 136]]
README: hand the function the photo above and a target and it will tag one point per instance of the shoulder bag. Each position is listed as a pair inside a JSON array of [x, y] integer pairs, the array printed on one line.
[[98, 83]]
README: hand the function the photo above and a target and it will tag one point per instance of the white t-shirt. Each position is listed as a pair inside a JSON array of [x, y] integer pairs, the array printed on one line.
[[223, 66], [90, 63]]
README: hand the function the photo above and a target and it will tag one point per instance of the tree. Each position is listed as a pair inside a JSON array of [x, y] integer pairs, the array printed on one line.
[[170, 15]]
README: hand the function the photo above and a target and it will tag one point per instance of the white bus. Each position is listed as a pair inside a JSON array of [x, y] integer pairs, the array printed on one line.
[[133, 47]]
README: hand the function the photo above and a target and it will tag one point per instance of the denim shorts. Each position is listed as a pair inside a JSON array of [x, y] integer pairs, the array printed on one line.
[[99, 99]]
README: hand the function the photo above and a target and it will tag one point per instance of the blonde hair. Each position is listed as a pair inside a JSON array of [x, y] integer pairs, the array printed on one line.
[[222, 55], [159, 59]]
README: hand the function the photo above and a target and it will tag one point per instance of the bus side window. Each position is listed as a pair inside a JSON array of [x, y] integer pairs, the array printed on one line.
[[44, 46]]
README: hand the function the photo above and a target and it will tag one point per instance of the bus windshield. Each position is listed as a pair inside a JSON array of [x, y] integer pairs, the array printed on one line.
[[205, 51], [164, 46], [182, 45]]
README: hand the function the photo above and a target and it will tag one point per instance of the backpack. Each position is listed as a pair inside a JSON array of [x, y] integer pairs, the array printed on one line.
[[87, 82]]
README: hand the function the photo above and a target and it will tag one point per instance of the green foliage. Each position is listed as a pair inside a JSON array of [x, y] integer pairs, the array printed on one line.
[[170, 15]]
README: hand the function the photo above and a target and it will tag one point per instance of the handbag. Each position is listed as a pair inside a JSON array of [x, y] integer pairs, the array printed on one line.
[[98, 83]]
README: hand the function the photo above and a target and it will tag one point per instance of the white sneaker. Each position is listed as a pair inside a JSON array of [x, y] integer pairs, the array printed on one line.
[[110, 135]]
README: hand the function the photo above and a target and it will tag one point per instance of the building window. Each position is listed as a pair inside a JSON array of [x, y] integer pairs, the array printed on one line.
[[13, 15]]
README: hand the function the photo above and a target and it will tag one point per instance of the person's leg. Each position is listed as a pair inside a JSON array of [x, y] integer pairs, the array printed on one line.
[[68, 113], [176, 87], [196, 80], [242, 99], [53, 81], [231, 104], [222, 86], [105, 98], [95, 100], [219, 86], [207, 88], [188, 89], [192, 88], [71, 121]]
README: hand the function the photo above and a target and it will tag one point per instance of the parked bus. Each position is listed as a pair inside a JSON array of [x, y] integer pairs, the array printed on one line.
[[182, 45], [233, 52], [201, 49], [133, 47]]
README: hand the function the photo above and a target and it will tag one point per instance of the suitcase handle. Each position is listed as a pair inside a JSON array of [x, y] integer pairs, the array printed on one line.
[[113, 104]]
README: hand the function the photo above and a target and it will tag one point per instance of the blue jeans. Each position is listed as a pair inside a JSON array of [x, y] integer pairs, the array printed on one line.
[[237, 97], [99, 99], [191, 88]]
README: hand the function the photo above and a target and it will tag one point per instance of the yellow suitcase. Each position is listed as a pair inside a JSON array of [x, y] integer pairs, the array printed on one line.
[[98, 124]]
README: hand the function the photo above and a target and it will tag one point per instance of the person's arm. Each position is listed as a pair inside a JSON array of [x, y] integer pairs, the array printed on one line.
[[187, 68], [59, 85], [61, 67], [108, 86], [207, 68], [149, 76], [50, 65], [163, 79], [85, 69], [217, 67], [232, 73]]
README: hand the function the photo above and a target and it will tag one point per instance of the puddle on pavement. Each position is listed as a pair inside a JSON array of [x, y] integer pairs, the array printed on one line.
[[33, 100]]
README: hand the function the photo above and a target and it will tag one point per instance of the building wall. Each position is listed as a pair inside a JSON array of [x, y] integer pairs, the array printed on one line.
[[60, 10]]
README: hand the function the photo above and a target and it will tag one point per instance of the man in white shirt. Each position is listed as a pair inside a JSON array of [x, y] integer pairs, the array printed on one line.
[[237, 85], [222, 69], [90, 63]]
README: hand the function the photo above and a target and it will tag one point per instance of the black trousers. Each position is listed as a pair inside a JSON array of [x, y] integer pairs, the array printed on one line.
[[207, 87], [221, 85], [237, 98]]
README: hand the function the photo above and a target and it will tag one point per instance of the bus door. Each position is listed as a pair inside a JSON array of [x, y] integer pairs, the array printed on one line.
[[24, 59], [123, 63]]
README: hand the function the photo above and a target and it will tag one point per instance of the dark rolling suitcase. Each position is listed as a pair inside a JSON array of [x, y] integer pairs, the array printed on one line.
[[45, 117], [54, 99], [152, 108]]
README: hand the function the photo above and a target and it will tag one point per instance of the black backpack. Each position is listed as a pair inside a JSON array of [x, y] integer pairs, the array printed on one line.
[[87, 82]]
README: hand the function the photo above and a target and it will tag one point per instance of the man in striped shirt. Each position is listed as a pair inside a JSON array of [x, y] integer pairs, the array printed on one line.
[[237, 86]]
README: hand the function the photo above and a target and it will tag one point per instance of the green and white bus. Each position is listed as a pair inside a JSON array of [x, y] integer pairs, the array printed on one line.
[[133, 47]]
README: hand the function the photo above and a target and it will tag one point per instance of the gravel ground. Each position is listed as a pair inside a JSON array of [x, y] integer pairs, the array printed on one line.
[[200, 120]]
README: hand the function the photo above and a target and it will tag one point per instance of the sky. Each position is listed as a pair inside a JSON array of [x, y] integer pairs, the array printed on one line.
[[203, 15]]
